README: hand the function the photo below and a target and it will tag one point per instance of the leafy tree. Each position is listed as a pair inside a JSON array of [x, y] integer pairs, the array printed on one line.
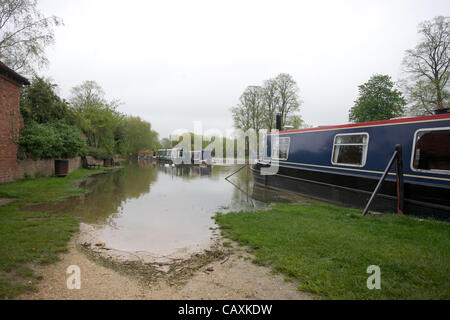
[[39, 102], [48, 130], [139, 135], [427, 65], [24, 34], [73, 143], [107, 130], [97, 118], [378, 100], [166, 143]]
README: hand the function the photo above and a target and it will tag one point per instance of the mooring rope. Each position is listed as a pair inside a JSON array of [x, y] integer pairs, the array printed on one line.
[[227, 178]]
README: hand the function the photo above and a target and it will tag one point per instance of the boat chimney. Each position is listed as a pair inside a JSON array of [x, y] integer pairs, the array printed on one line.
[[279, 128], [445, 109], [442, 111]]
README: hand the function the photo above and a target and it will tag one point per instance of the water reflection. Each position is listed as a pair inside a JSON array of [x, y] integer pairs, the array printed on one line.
[[161, 209], [185, 171]]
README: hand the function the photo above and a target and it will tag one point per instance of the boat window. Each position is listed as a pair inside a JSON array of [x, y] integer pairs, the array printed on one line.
[[350, 149], [197, 155], [431, 150], [284, 147]]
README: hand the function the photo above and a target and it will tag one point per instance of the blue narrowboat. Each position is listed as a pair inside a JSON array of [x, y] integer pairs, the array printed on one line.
[[344, 164]]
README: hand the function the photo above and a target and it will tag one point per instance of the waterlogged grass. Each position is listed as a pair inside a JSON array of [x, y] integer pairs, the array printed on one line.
[[30, 238], [328, 250], [45, 189]]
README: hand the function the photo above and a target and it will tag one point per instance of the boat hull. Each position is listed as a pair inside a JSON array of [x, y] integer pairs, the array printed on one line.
[[354, 191]]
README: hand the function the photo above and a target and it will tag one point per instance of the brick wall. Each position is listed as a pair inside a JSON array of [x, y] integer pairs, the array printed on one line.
[[45, 167], [10, 124], [75, 164]]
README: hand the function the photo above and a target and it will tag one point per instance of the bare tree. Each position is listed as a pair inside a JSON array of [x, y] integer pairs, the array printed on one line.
[[295, 121], [270, 100], [253, 98], [288, 96], [88, 94], [428, 66], [241, 117], [259, 105], [24, 34], [421, 96], [249, 113]]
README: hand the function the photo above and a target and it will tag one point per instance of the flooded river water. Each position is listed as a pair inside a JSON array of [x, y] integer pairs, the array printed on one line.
[[153, 208]]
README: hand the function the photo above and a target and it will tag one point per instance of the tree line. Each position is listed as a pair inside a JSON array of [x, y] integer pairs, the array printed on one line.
[[86, 124]]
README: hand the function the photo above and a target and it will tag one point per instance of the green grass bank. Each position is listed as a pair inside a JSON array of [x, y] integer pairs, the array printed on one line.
[[328, 250], [30, 238]]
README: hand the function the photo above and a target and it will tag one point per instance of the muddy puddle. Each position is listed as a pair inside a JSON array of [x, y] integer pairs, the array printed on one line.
[[159, 213]]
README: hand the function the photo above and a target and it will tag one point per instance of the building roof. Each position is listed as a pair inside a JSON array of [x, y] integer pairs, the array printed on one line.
[[10, 73]]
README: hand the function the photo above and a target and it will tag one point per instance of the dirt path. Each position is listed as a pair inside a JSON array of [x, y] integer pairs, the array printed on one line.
[[235, 278]]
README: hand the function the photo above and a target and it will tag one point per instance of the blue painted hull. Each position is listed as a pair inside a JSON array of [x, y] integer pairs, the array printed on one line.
[[310, 169]]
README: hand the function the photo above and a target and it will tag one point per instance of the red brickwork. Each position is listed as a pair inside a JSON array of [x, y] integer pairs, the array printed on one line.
[[10, 124]]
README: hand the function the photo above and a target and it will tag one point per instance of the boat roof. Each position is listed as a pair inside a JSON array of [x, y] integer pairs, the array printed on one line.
[[373, 123]]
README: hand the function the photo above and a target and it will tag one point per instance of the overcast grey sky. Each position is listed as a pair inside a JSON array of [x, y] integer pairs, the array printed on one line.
[[176, 62]]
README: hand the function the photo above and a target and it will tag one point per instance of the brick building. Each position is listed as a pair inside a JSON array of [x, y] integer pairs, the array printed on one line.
[[10, 121]]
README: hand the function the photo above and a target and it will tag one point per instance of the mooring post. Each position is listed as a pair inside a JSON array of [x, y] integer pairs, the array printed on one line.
[[400, 181], [380, 183]]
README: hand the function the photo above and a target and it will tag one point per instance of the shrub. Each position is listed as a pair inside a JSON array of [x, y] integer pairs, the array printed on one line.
[[73, 144], [50, 140]]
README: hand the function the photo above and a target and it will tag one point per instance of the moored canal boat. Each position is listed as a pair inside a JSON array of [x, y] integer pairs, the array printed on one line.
[[164, 155], [202, 158], [343, 164], [178, 156], [146, 155]]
